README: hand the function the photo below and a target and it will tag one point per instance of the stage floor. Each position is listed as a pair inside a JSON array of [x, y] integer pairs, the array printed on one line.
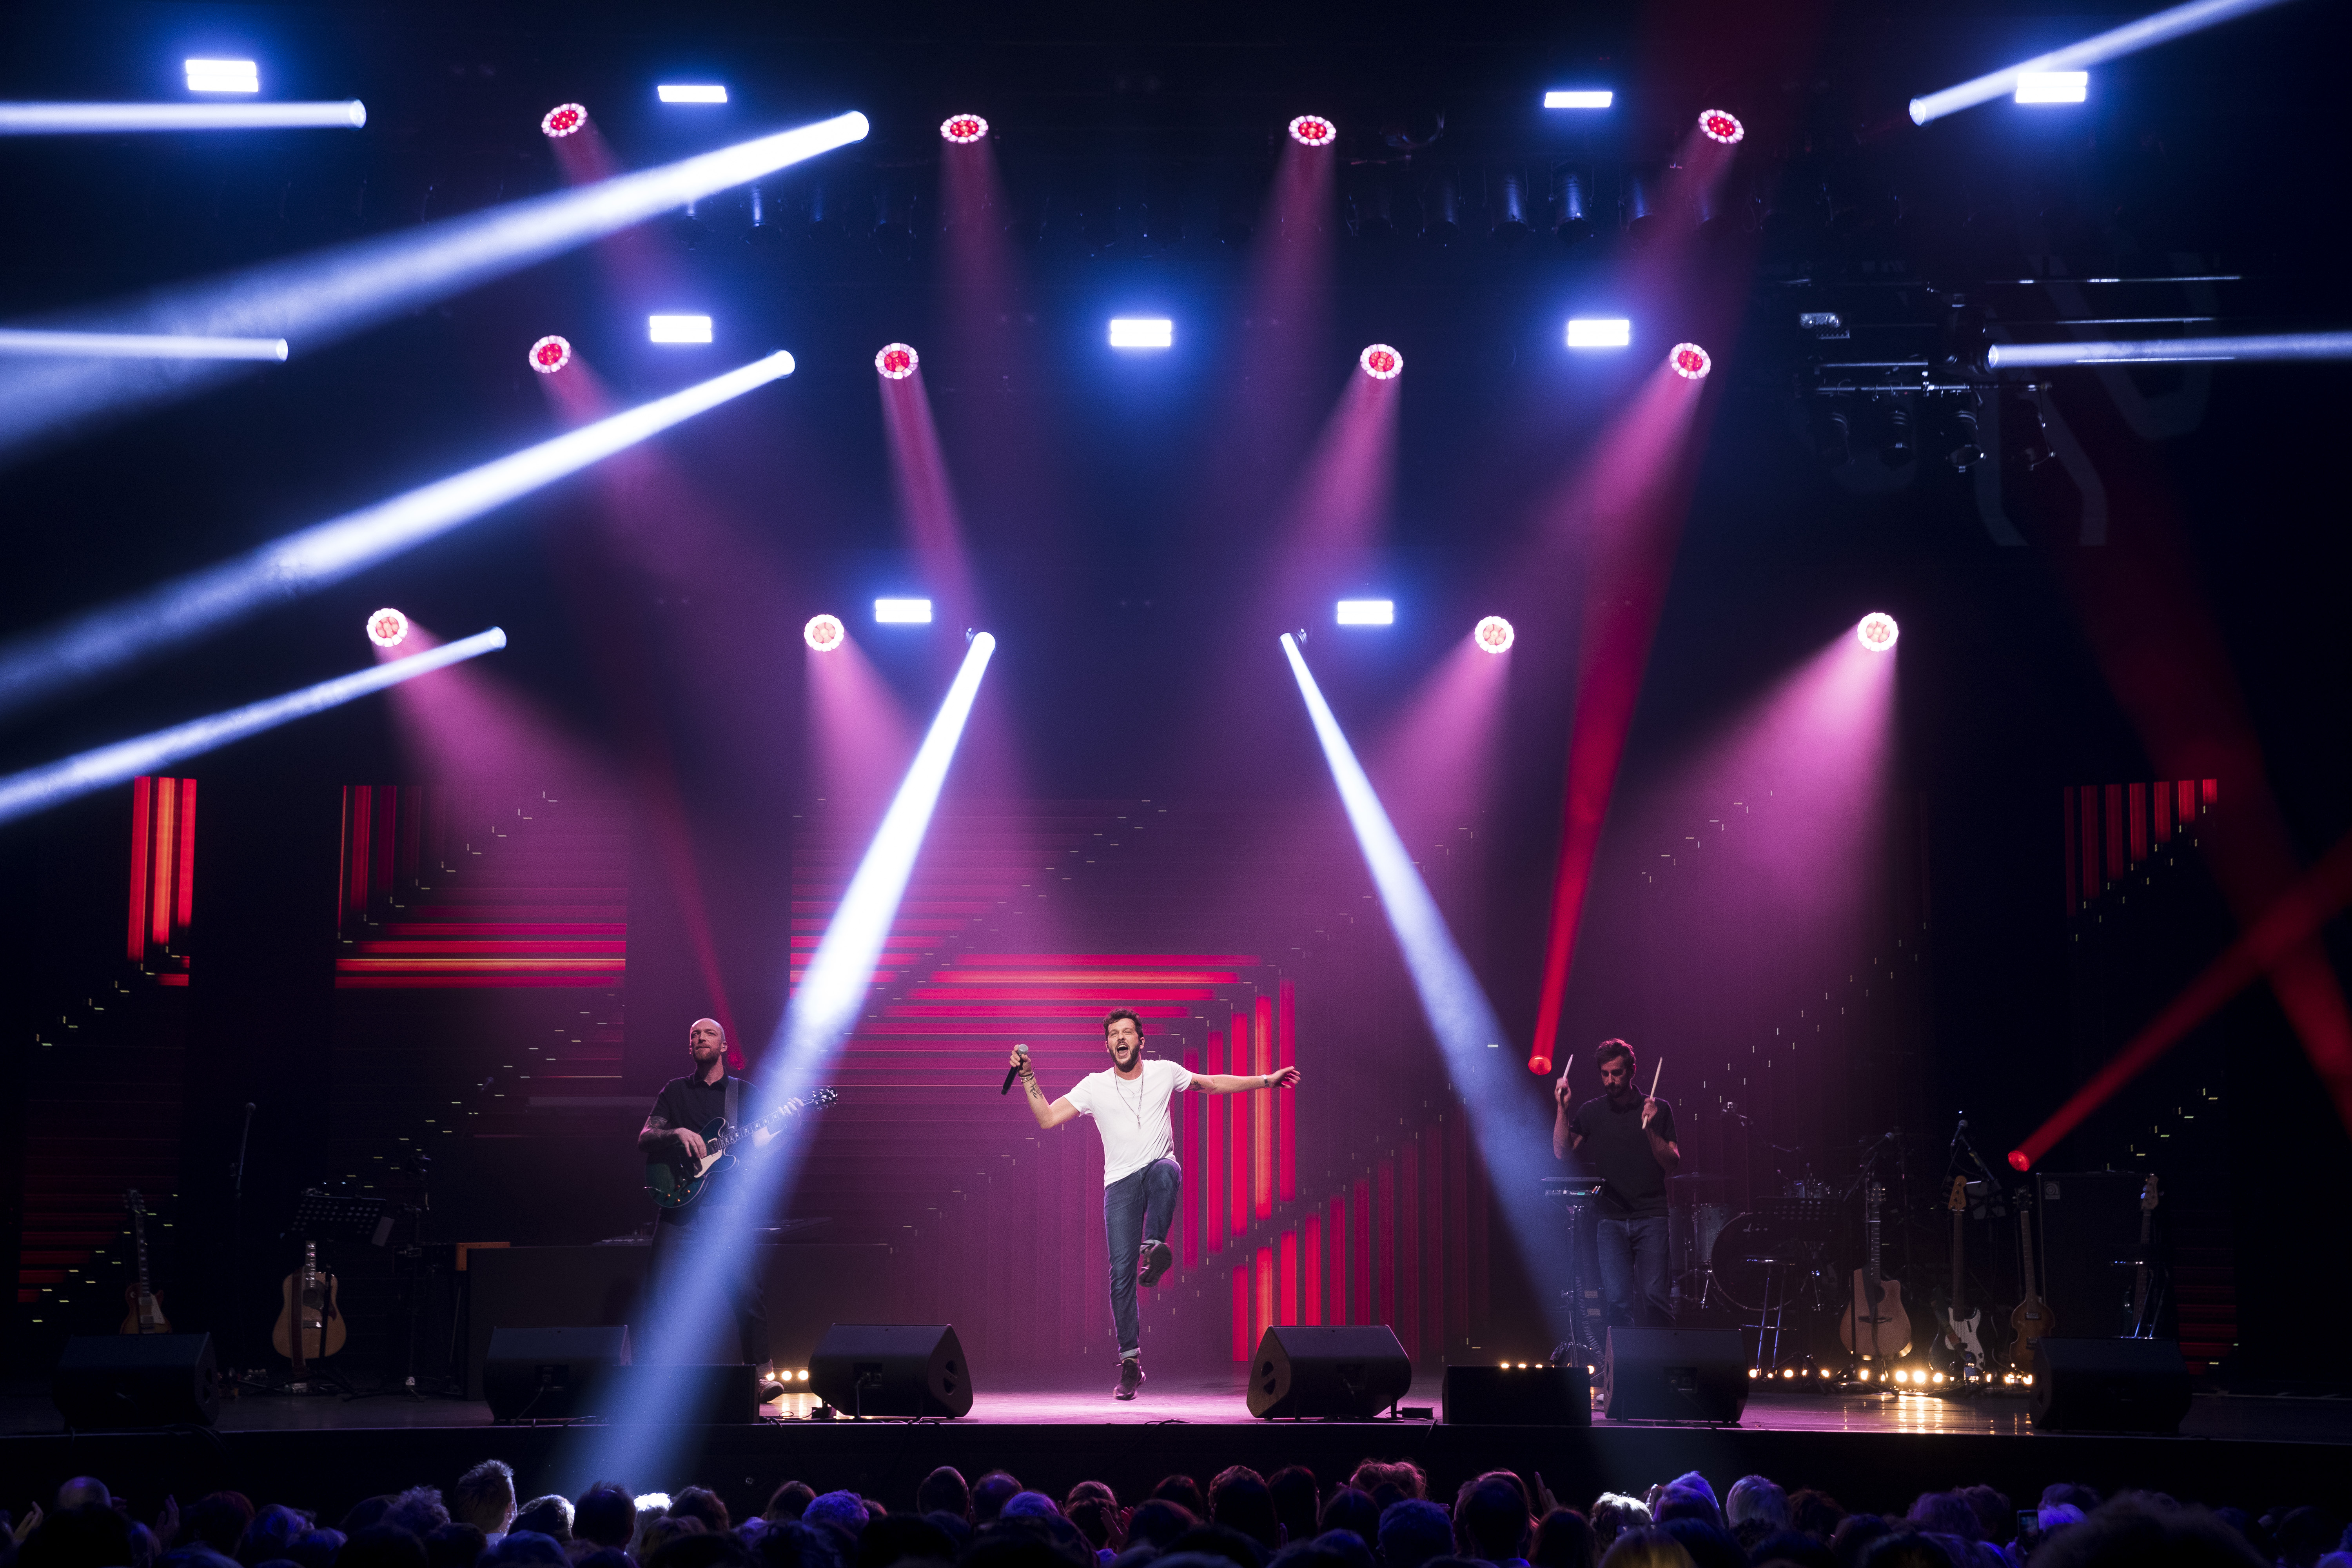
[[1210, 1402]]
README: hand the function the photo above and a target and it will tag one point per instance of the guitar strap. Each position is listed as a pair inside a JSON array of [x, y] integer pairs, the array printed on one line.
[[734, 1101]]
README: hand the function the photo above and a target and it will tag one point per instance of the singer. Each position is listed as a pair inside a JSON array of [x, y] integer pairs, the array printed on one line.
[[1627, 1139], [1128, 1101]]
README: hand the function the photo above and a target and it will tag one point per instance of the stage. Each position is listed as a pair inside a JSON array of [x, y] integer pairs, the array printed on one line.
[[1873, 1453]]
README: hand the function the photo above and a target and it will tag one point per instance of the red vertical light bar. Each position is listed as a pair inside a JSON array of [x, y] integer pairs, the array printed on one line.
[[1433, 1250], [1476, 1250], [361, 798], [2090, 798], [161, 859], [1359, 1256], [2184, 809], [1238, 1190], [1215, 1207], [1285, 1139], [2163, 803], [1262, 1317], [2066, 811], [1189, 1119], [1457, 1237], [1311, 1287], [1409, 1243], [184, 904], [1242, 1343], [1262, 1115], [2113, 809], [2138, 797], [1340, 1273], [1285, 1304], [1384, 1241], [387, 837], [139, 833], [2213, 794]]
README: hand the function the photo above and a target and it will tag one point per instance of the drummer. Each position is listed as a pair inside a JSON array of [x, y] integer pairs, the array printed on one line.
[[1627, 1140]]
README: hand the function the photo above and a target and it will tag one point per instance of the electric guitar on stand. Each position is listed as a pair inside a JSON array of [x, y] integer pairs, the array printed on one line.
[[146, 1303], [1875, 1324], [675, 1181]]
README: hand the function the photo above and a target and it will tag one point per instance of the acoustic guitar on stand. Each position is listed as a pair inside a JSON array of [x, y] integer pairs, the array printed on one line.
[[1875, 1324], [146, 1303], [311, 1326]]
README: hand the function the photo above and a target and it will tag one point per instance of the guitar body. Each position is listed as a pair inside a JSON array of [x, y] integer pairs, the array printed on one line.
[[317, 1310], [1875, 1308], [675, 1181], [1960, 1339], [2033, 1321], [675, 1184], [146, 1313]]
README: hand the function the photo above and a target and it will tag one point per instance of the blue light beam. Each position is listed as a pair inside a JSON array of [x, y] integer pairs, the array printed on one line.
[[138, 346], [331, 294], [2117, 42], [819, 1017], [1453, 1001], [37, 789], [2171, 351], [107, 639]]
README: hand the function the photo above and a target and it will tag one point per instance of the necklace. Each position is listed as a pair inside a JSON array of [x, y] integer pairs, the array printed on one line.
[[1135, 1106]]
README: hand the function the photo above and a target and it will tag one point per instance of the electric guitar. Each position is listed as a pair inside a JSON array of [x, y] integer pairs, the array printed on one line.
[[311, 1326], [2143, 1300], [1874, 1323], [2032, 1320], [146, 1303], [1961, 1344], [675, 1181]]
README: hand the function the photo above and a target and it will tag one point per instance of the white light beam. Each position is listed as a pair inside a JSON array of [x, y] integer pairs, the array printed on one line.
[[103, 119], [2129, 38], [2163, 351], [37, 789], [106, 640], [327, 295], [137, 345]]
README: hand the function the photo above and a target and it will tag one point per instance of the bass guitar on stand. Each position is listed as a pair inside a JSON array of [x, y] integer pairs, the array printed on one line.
[[1959, 1345], [675, 1181], [2032, 1320], [2148, 1289]]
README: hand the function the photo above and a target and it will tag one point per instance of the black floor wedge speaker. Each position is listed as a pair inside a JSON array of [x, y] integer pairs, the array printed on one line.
[[2108, 1386], [1531, 1395], [894, 1370], [1675, 1374], [553, 1374], [117, 1381], [1353, 1373]]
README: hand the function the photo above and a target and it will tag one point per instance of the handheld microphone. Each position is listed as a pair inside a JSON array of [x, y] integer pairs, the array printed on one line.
[[1014, 1070]]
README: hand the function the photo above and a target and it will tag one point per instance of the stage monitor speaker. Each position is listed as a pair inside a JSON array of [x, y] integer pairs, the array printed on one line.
[[1353, 1374], [1531, 1395], [552, 1374], [894, 1370], [1675, 1374], [115, 1382], [2109, 1385]]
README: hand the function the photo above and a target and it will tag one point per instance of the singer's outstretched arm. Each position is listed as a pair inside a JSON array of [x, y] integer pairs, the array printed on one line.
[[1048, 1116]]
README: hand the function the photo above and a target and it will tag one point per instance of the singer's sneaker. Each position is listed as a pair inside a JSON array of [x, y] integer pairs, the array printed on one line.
[[1130, 1377], [1159, 1258]]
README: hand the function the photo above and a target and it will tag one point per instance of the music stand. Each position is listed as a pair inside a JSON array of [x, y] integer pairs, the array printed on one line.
[[334, 1217], [1585, 1338]]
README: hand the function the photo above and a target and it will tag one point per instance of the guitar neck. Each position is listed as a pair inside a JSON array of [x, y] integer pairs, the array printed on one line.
[[735, 1135]]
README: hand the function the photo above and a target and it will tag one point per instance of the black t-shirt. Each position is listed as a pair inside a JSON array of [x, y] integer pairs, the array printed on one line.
[[688, 1102], [1617, 1150]]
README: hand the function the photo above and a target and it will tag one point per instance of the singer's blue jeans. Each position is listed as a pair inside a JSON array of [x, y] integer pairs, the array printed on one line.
[[1136, 1208]]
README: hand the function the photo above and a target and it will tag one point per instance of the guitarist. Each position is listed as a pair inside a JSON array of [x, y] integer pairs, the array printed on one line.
[[1627, 1139], [680, 1263]]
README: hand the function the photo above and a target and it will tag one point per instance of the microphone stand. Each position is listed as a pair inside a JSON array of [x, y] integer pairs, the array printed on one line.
[[225, 1311]]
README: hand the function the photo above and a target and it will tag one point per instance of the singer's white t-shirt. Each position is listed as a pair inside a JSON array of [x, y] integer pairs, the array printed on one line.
[[1131, 1114]]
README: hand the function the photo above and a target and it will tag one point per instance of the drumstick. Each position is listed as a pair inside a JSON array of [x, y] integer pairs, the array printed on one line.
[[1653, 1078]]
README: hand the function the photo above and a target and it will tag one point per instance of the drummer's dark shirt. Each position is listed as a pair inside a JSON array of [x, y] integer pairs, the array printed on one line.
[[1617, 1150]]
